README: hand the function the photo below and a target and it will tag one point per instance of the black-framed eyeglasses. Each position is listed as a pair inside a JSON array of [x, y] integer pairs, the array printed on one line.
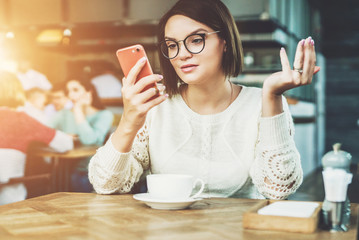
[[194, 44]]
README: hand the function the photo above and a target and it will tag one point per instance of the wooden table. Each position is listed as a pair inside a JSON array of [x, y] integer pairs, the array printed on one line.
[[93, 216], [60, 173]]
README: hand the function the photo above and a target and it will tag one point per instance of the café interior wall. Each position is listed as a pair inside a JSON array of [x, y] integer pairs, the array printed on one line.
[[54, 63], [342, 92]]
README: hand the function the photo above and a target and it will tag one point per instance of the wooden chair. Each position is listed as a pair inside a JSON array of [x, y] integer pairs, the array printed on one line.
[[37, 177], [27, 179]]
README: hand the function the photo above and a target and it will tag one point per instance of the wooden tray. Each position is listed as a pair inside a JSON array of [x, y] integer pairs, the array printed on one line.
[[253, 220]]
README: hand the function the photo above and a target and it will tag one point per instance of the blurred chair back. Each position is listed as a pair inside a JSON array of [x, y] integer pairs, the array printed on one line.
[[14, 182], [12, 165]]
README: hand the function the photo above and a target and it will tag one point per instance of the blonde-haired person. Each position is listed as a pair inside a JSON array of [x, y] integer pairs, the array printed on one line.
[[17, 131], [238, 139], [34, 106]]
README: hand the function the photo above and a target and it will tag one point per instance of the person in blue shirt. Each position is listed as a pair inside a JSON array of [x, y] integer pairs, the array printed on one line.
[[88, 122]]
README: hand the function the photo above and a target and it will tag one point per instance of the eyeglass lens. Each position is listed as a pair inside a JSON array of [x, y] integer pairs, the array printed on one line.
[[193, 43]]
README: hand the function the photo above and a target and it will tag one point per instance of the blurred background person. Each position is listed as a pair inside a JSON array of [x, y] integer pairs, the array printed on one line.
[[57, 101], [36, 99], [17, 131], [88, 121], [31, 78]]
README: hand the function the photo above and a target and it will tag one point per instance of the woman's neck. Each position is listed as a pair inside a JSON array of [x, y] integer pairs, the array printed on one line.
[[209, 98]]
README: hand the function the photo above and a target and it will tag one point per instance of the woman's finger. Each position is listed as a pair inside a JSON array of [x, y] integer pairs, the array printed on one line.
[[299, 60], [154, 102], [316, 69], [146, 95], [314, 58], [147, 81], [135, 70], [309, 61], [284, 61], [124, 81]]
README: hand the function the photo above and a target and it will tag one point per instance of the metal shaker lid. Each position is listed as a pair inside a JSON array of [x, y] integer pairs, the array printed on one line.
[[337, 158]]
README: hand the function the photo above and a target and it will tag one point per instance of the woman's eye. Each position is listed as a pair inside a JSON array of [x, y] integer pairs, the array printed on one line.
[[197, 40], [171, 46]]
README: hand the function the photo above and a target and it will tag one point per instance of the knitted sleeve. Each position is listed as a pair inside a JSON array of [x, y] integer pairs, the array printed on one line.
[[111, 171], [277, 170]]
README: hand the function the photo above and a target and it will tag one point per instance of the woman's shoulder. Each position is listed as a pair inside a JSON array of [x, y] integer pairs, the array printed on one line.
[[248, 96], [254, 92], [20, 117]]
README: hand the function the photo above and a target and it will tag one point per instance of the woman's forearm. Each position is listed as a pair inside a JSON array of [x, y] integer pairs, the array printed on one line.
[[123, 137], [271, 104], [80, 116]]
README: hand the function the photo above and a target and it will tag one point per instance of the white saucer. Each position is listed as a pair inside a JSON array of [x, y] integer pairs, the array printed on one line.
[[165, 204]]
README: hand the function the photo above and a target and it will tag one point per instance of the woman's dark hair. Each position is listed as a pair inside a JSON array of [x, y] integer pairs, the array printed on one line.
[[96, 101], [215, 15]]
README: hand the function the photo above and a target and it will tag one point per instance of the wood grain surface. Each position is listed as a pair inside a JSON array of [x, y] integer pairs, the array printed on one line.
[[93, 216]]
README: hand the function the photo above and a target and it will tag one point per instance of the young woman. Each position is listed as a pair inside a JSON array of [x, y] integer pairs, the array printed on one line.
[[17, 131], [88, 121], [238, 139]]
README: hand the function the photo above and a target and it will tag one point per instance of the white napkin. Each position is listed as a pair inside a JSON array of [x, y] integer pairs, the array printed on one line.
[[289, 209], [336, 184]]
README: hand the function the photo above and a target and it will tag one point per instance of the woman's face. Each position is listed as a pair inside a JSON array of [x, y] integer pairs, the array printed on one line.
[[75, 90], [195, 68], [38, 100]]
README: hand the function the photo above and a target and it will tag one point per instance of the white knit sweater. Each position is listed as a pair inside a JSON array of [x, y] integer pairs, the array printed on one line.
[[232, 151]]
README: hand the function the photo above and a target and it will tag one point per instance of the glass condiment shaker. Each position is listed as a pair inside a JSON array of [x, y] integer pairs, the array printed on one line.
[[336, 159]]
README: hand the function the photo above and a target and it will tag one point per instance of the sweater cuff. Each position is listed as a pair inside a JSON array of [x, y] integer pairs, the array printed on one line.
[[274, 130], [112, 159]]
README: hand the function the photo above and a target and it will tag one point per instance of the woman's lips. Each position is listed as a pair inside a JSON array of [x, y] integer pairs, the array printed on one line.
[[188, 68]]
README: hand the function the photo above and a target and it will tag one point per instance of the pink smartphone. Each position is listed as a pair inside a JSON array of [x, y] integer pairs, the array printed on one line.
[[129, 56]]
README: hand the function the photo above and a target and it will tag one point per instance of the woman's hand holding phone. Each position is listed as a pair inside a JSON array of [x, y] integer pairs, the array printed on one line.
[[138, 99]]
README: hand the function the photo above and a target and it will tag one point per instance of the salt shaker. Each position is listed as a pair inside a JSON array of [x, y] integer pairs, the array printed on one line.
[[336, 215], [337, 158]]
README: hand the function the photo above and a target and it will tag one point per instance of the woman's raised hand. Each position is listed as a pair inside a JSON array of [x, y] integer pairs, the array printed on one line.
[[137, 100], [302, 73], [85, 100]]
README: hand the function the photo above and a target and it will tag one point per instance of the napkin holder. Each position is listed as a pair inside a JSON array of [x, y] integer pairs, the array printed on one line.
[[253, 220]]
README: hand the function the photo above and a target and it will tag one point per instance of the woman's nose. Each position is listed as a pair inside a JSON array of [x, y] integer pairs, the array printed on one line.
[[183, 53]]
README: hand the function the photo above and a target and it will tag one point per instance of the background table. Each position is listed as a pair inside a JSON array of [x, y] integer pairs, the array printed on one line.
[[59, 169], [93, 216]]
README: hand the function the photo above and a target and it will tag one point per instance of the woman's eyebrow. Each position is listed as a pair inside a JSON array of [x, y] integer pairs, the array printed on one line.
[[193, 32]]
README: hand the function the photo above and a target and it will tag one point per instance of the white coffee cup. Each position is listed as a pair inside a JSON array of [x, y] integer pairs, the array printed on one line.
[[173, 186]]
